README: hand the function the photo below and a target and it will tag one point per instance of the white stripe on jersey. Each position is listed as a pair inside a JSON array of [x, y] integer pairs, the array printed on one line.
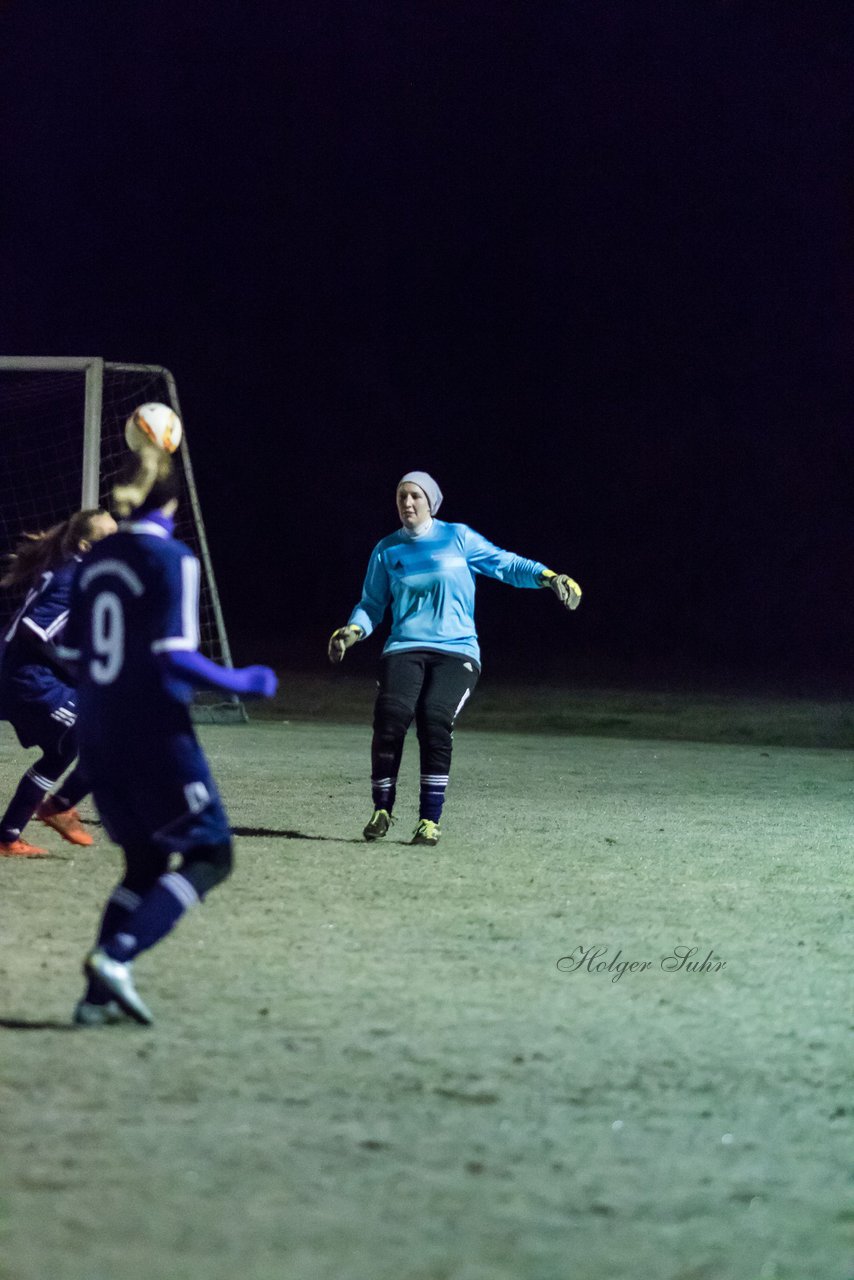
[[116, 567], [33, 626], [68, 655], [174, 642], [190, 598], [31, 595], [188, 640], [57, 624]]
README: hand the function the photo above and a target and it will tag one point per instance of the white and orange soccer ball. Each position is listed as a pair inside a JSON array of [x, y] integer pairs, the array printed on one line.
[[154, 422]]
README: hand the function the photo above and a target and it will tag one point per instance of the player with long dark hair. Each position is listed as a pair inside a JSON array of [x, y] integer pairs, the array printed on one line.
[[37, 696], [133, 634], [431, 662]]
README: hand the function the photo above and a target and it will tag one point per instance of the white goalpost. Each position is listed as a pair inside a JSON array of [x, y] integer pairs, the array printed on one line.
[[62, 437]]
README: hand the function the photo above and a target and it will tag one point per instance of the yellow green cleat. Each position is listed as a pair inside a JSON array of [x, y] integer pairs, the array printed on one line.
[[378, 825], [426, 832]]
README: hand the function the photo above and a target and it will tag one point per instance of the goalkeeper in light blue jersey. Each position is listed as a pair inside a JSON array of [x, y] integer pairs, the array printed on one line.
[[425, 572]]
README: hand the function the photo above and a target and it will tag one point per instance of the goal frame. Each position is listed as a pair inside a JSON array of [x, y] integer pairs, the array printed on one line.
[[93, 369]]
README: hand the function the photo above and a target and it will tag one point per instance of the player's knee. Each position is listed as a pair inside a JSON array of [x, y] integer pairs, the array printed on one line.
[[208, 865], [392, 716], [53, 763], [139, 881], [436, 722], [145, 864]]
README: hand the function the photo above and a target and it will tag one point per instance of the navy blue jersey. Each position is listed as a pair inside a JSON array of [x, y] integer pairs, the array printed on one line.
[[135, 596], [24, 678]]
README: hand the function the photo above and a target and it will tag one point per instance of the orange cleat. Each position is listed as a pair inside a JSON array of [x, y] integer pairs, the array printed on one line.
[[20, 849], [67, 823]]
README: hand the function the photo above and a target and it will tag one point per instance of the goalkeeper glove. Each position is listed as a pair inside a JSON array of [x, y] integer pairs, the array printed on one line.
[[565, 588], [341, 640]]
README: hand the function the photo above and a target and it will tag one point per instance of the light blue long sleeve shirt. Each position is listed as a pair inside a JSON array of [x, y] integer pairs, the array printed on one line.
[[428, 579]]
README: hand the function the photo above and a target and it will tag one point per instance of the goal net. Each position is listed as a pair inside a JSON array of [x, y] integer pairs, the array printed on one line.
[[62, 433]]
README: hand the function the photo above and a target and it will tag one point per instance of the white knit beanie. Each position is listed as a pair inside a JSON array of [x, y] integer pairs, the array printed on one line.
[[426, 482]]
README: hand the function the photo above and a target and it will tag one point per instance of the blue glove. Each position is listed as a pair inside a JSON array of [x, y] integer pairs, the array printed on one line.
[[261, 682], [199, 671]]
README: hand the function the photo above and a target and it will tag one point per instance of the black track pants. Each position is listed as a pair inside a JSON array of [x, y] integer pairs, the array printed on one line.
[[433, 688]]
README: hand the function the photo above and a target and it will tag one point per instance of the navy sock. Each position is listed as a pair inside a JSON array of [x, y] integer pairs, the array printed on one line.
[[158, 912], [383, 793], [29, 795], [432, 798], [72, 791], [120, 907]]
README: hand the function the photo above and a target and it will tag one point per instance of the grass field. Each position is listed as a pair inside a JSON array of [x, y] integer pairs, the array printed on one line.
[[367, 1063]]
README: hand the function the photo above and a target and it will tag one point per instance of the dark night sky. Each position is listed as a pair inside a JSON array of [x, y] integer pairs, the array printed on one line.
[[590, 263]]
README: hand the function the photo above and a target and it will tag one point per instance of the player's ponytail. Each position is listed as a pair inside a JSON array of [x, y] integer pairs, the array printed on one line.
[[150, 481], [37, 553]]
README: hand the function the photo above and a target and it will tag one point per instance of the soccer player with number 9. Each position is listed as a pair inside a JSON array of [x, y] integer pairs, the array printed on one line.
[[133, 634]]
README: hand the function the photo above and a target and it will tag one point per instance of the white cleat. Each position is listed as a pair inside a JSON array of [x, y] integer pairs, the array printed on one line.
[[117, 978], [87, 1014]]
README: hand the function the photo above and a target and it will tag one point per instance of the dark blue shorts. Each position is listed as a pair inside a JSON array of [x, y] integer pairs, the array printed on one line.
[[164, 796], [38, 726]]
